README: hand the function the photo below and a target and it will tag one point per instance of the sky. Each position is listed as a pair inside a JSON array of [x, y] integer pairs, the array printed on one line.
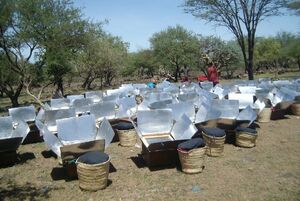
[[135, 21]]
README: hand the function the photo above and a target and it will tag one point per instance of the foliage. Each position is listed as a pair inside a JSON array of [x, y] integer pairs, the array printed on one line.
[[223, 55], [103, 57], [143, 63], [49, 29], [174, 47], [241, 17], [294, 5]]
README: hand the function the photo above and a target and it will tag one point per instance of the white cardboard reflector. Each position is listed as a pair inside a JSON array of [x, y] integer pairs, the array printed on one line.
[[259, 104], [229, 108], [105, 132], [154, 121], [6, 127], [247, 89], [157, 96], [248, 114], [96, 96], [105, 109], [39, 124], [52, 115], [111, 98], [22, 113], [41, 115], [188, 97], [51, 141], [183, 128], [76, 129], [60, 103], [74, 97], [21, 130], [206, 85], [219, 91], [160, 104], [244, 99], [82, 105], [178, 109], [125, 104]]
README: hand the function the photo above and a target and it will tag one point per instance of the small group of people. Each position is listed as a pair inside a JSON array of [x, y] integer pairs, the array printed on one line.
[[212, 76]]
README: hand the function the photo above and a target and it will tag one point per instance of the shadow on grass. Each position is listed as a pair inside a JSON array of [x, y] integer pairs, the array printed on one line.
[[69, 172], [9, 159], [141, 163], [13, 191]]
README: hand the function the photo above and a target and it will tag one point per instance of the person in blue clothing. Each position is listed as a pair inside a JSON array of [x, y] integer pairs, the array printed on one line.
[[152, 83]]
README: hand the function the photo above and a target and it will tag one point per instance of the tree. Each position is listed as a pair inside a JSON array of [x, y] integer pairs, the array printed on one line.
[[223, 55], [40, 35], [174, 47], [267, 53], [145, 63], [102, 57], [289, 47], [241, 17], [294, 5]]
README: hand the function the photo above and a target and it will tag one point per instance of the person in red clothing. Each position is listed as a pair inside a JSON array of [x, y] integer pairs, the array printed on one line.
[[212, 74]]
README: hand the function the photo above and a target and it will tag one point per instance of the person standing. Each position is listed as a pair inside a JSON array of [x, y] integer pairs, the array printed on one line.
[[212, 74]]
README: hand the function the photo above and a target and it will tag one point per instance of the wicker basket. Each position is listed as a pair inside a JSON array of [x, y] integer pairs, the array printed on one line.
[[215, 145], [192, 161], [93, 177], [127, 137], [265, 115], [245, 139], [295, 109]]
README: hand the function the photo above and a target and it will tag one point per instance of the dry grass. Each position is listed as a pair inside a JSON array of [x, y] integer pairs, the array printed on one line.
[[269, 171]]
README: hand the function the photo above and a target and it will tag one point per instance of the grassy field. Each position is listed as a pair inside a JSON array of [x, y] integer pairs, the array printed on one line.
[[269, 171]]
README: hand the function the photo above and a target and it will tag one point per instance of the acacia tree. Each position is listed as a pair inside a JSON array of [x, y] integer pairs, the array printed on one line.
[[290, 47], [14, 38], [223, 55], [267, 53], [174, 47], [50, 30], [102, 57], [241, 17]]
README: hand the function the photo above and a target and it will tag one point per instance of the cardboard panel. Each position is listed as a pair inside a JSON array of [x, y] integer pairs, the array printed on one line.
[[105, 109], [73, 151], [105, 132], [74, 129], [60, 103], [154, 121], [6, 127], [183, 129], [96, 96], [22, 113]]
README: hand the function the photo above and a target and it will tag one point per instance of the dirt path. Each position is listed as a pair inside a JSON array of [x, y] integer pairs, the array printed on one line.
[[269, 171]]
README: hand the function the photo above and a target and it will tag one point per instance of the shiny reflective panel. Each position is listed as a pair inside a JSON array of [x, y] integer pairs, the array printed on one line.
[[22, 113], [154, 121], [106, 132], [79, 129], [6, 127], [183, 128], [60, 103], [105, 109]]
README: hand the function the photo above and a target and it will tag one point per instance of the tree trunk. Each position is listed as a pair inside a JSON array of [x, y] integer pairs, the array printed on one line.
[[298, 62], [250, 56], [14, 101], [177, 72], [60, 88], [89, 83], [87, 80]]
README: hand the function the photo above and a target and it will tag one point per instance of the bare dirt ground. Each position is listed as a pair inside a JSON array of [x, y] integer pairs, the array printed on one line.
[[269, 171]]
